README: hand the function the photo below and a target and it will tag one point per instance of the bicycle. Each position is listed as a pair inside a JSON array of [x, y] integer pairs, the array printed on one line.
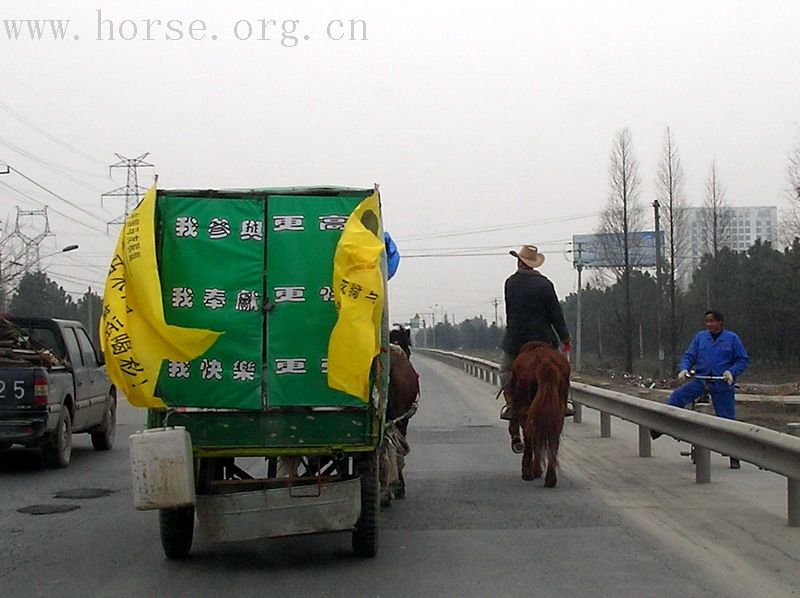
[[706, 400]]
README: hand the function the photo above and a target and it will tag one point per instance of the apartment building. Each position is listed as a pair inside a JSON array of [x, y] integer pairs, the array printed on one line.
[[740, 227]]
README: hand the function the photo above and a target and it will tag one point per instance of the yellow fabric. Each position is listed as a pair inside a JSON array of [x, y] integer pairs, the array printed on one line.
[[133, 334], [359, 295]]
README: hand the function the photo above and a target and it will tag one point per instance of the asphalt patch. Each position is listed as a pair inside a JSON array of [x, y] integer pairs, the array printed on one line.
[[79, 493], [48, 509]]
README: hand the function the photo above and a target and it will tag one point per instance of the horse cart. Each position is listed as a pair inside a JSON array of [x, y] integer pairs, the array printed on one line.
[[251, 440]]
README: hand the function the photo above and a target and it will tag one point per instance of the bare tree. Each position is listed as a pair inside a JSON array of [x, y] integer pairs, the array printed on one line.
[[620, 219], [669, 191], [792, 219], [716, 227]]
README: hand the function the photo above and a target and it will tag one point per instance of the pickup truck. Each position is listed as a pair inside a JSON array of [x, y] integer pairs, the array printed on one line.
[[53, 382]]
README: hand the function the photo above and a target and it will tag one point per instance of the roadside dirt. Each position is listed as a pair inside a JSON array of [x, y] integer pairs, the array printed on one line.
[[770, 405]]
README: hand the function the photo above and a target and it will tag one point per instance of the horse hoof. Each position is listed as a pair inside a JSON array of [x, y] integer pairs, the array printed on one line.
[[527, 478], [517, 447]]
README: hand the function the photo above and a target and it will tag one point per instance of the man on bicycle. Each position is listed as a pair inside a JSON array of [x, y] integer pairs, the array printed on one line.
[[712, 352]]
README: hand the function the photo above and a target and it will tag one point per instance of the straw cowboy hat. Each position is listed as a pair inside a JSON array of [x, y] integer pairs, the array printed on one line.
[[530, 255]]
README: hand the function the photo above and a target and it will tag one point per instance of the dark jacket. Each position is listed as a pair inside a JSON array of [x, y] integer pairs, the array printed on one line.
[[532, 311]]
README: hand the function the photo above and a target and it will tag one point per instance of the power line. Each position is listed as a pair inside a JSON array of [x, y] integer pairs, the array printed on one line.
[[48, 165], [45, 133], [86, 126], [54, 194], [553, 243], [459, 252], [497, 228]]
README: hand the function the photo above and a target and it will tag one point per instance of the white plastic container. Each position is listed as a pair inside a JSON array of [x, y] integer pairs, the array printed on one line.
[[162, 468]]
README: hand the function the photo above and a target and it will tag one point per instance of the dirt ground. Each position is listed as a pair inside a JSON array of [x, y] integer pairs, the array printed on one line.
[[765, 396], [770, 405]]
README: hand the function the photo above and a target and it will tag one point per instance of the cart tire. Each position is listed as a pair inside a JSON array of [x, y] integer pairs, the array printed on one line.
[[103, 440], [365, 534], [177, 531], [58, 450]]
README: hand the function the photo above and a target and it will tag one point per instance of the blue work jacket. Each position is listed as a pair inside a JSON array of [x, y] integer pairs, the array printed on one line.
[[709, 357]]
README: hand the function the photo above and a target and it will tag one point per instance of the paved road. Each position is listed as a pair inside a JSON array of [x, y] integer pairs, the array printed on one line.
[[616, 525]]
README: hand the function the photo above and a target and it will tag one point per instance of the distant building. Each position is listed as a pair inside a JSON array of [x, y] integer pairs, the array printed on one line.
[[741, 227]]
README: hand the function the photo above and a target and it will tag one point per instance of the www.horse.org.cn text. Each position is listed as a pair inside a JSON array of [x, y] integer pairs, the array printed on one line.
[[106, 27]]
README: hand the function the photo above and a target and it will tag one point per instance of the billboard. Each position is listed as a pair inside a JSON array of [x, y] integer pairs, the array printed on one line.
[[606, 250]]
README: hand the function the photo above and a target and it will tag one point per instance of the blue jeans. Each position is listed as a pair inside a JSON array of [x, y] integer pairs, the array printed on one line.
[[722, 395]]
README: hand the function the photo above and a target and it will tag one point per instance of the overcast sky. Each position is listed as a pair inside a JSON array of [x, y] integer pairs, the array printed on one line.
[[487, 125]]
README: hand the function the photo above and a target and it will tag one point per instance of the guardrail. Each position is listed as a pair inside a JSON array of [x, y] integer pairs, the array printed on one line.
[[766, 448]]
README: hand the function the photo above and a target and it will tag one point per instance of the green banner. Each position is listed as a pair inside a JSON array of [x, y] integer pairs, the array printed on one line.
[[258, 268], [211, 264], [303, 233]]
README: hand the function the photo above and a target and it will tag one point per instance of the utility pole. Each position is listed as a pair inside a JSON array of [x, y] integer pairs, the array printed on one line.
[[656, 206], [577, 263], [579, 314], [433, 328], [131, 191], [495, 301]]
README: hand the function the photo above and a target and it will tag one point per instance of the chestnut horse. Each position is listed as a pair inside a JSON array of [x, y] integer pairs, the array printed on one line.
[[538, 389]]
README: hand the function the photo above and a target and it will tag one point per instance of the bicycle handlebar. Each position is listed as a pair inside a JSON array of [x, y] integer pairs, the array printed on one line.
[[701, 377]]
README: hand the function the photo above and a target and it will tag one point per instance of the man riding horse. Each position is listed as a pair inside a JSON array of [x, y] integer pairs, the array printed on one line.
[[533, 313]]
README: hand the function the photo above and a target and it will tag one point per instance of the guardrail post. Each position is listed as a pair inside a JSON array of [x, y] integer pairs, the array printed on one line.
[[645, 446], [793, 487], [702, 465], [605, 425], [578, 417], [702, 456]]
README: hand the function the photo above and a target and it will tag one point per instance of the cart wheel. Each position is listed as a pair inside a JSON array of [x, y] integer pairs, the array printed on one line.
[[177, 531], [365, 534]]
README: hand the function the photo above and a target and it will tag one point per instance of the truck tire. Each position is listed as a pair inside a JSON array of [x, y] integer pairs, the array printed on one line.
[[103, 439], [177, 530], [365, 534], [58, 450]]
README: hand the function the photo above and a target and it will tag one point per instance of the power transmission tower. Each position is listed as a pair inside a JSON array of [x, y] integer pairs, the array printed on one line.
[[29, 250], [131, 191]]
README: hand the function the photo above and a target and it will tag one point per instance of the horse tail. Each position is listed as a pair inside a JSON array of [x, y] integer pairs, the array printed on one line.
[[546, 414]]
